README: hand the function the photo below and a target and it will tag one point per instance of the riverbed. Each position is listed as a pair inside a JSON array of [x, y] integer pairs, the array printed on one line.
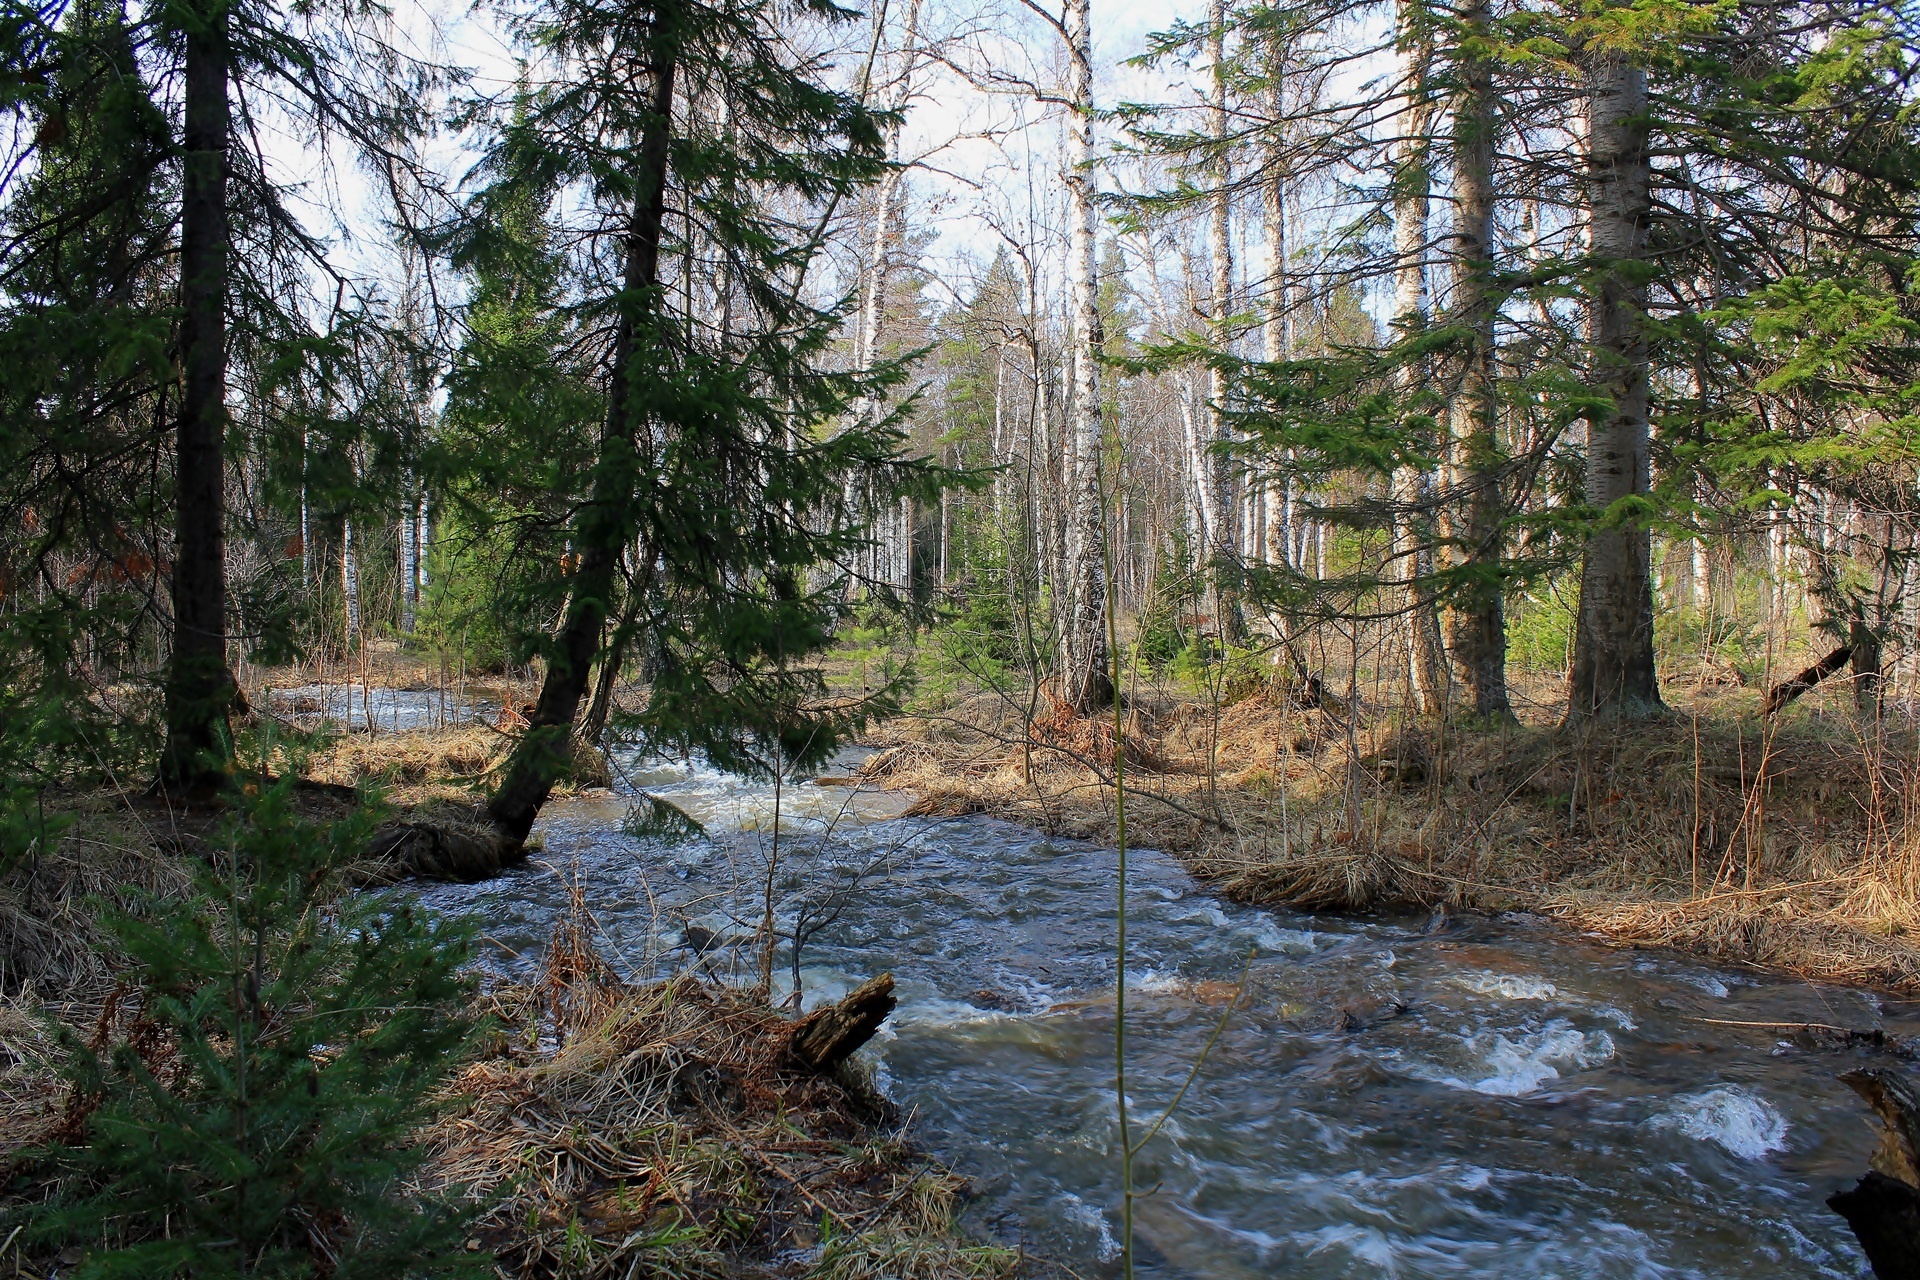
[[1386, 1097]]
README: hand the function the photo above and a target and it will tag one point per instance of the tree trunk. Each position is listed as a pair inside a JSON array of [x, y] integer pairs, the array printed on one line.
[[409, 569], [1411, 490], [601, 706], [1863, 646], [1613, 669], [1085, 683], [200, 688], [1225, 546], [1702, 578], [1276, 340], [1787, 690], [422, 540], [1476, 630], [350, 583], [603, 528]]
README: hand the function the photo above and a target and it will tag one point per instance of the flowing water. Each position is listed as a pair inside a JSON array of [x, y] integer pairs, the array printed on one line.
[[1495, 1097], [361, 706]]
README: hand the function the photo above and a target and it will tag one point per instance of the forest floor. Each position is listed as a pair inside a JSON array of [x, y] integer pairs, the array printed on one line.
[[1790, 843], [652, 1125], [611, 1128]]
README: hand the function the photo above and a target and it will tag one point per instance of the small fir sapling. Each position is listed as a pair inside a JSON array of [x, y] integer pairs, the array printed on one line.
[[251, 1109]]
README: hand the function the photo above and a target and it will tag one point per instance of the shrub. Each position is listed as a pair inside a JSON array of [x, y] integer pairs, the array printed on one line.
[[486, 595], [249, 1108], [1160, 638], [1540, 625]]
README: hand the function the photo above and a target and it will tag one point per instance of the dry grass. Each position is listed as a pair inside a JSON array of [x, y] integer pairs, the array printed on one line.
[[623, 1130], [116, 850], [32, 1095], [424, 766], [1793, 845], [608, 1130]]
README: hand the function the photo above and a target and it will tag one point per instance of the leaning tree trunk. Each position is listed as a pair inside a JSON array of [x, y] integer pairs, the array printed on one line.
[[1476, 627], [1085, 683], [601, 707], [1411, 486], [200, 688], [604, 526], [1613, 669]]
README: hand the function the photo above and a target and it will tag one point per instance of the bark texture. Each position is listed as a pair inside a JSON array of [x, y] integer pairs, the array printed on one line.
[[1613, 671], [1412, 490], [1274, 336], [1225, 549], [829, 1035], [200, 688], [1476, 622], [1085, 683]]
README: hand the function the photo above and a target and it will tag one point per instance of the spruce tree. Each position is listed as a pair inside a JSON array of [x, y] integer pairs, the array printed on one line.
[[85, 313], [255, 1111], [696, 156]]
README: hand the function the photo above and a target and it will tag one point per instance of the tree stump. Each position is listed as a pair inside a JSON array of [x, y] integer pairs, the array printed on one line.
[[828, 1036], [1884, 1208], [449, 843]]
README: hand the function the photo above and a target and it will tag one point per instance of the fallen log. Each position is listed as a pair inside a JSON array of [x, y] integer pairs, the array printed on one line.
[[1787, 690], [828, 1036], [1884, 1207]]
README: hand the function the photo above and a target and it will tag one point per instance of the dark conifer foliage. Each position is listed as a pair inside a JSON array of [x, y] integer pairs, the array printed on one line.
[[253, 1109], [689, 156], [86, 243]]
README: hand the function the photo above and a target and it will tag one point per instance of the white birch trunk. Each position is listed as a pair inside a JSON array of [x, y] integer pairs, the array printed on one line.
[[409, 570], [1085, 682], [1225, 549], [1275, 338], [421, 542], [350, 582], [1411, 487]]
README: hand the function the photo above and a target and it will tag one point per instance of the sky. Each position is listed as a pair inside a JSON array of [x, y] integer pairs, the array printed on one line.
[[981, 160]]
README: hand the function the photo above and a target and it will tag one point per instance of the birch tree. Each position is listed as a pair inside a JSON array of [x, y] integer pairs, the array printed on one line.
[[1085, 682]]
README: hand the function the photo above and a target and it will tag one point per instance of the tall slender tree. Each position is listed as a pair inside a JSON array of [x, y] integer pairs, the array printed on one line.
[[1477, 627], [1225, 548], [715, 471], [200, 687], [1085, 680], [1412, 483], [1613, 662]]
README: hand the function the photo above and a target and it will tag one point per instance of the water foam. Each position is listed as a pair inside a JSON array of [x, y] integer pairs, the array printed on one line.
[[1094, 1219], [1520, 1067], [1732, 1118], [1509, 986]]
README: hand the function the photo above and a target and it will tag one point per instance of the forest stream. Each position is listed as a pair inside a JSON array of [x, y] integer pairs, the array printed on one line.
[[1390, 1097]]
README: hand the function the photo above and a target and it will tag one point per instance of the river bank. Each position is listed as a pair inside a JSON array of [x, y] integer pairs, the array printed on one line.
[[1440, 1099], [1789, 845], [610, 1122]]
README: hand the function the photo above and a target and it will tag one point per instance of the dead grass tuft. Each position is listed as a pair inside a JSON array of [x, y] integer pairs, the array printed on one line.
[[114, 853], [654, 1130]]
